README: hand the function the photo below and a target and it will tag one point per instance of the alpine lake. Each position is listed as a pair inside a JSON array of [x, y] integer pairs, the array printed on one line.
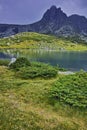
[[70, 60]]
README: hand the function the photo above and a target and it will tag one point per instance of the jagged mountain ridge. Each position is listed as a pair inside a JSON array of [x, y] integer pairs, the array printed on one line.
[[54, 21]]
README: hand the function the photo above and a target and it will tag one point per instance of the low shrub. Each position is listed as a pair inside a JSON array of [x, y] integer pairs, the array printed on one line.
[[37, 70], [20, 62], [71, 89], [26, 70]]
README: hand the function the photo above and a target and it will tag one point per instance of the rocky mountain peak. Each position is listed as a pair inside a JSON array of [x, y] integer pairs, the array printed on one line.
[[54, 14], [53, 8], [54, 21]]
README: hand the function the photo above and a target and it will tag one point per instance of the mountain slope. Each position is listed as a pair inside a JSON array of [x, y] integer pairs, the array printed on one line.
[[54, 21], [31, 40]]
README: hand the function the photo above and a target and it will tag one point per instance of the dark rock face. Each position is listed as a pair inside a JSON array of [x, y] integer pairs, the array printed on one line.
[[54, 16], [79, 23], [54, 21]]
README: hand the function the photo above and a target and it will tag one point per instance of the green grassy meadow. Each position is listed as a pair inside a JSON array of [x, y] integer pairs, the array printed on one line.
[[40, 41], [28, 104], [33, 96]]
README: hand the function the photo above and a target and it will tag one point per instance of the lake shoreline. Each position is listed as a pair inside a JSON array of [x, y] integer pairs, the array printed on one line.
[[70, 60]]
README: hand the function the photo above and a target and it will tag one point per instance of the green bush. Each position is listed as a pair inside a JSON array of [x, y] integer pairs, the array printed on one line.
[[71, 89], [37, 70], [26, 70], [20, 62]]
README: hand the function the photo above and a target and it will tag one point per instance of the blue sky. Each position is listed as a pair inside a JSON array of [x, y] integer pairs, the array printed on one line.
[[29, 11]]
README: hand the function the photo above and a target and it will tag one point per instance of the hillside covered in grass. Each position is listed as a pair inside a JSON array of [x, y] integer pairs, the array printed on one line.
[[40, 41], [32, 97]]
